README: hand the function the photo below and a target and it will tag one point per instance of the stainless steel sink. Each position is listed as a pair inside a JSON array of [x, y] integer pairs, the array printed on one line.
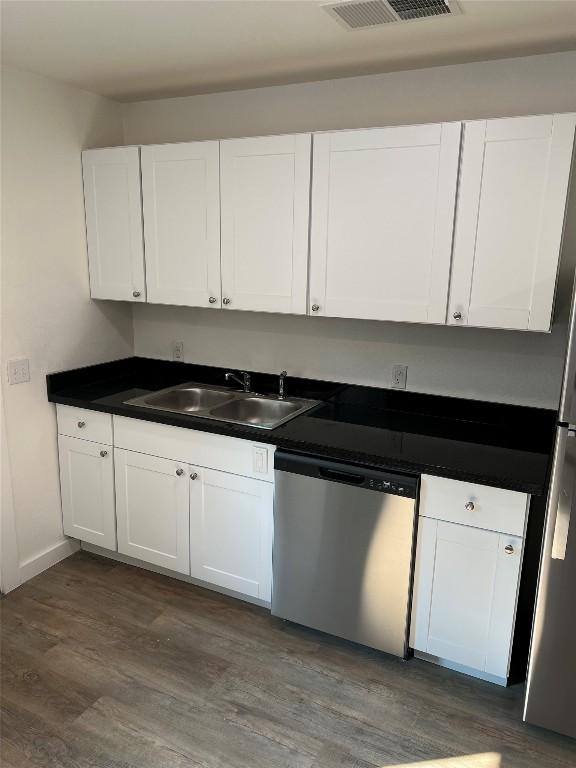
[[258, 411], [221, 404], [186, 399]]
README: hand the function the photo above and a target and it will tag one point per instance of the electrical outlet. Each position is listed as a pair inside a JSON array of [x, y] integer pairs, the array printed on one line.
[[399, 375], [18, 371], [178, 350]]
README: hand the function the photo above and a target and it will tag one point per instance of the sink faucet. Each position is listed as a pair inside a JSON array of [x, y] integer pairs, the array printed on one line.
[[283, 375], [244, 381]]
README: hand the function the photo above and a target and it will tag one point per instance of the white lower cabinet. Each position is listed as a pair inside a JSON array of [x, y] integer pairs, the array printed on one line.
[[87, 488], [172, 510], [152, 508], [467, 585], [216, 526], [231, 532], [466, 582]]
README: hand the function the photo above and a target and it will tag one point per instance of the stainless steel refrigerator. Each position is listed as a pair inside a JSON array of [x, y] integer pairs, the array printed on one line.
[[551, 687]]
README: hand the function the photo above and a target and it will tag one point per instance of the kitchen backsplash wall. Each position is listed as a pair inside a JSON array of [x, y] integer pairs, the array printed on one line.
[[495, 365], [501, 366]]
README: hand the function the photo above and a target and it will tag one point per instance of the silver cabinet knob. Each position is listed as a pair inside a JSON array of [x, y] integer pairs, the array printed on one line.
[[315, 307], [469, 506], [179, 472], [194, 475], [136, 294], [81, 424], [103, 454], [212, 300], [226, 301], [509, 549], [457, 315]]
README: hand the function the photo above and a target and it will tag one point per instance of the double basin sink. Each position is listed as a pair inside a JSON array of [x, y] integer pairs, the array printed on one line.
[[221, 404]]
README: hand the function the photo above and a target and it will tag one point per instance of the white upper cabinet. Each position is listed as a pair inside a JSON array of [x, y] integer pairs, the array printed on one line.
[[265, 187], [382, 221], [114, 223], [511, 204], [440, 223], [181, 200]]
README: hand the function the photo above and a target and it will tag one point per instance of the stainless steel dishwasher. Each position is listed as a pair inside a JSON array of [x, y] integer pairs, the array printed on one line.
[[344, 549]]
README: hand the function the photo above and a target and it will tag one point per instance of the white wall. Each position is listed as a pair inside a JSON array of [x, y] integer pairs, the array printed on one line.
[[483, 89], [494, 365], [46, 310]]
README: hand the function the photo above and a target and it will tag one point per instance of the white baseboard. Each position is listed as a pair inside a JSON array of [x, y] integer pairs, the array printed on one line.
[[461, 668], [35, 565]]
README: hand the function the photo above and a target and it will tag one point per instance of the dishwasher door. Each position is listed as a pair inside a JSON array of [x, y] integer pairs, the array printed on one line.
[[344, 549]]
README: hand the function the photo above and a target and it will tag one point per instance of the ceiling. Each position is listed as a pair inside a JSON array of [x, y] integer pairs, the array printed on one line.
[[139, 49]]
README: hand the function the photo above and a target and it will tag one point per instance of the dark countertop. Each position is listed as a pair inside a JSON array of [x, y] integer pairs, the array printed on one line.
[[494, 444]]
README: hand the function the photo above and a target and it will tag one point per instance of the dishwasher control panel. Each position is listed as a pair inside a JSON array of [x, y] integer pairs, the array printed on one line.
[[387, 486]]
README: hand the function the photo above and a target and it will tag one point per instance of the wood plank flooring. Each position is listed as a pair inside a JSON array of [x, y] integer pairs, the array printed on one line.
[[109, 666]]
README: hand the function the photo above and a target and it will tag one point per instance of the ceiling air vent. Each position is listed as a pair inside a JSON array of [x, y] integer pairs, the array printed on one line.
[[419, 9], [363, 14]]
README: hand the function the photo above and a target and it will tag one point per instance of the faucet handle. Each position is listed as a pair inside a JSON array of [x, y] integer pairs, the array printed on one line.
[[283, 375]]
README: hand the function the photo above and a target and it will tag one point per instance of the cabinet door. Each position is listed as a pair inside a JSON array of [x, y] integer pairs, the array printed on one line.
[[152, 498], [231, 532], [511, 204], [382, 221], [113, 205], [87, 488], [181, 199], [465, 591], [265, 216]]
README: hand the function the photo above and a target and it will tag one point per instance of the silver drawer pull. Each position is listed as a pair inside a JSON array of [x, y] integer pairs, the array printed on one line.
[[179, 472], [457, 315], [103, 454], [509, 549], [469, 506], [194, 475], [81, 424]]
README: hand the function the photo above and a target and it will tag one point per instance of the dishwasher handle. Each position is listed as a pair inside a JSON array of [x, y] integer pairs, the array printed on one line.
[[341, 477]]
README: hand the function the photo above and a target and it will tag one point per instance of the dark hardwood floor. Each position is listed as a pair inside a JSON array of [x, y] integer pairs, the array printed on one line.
[[109, 666]]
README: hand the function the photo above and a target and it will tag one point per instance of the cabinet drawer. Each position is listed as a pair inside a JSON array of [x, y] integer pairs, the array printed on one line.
[[478, 506], [81, 422], [203, 449]]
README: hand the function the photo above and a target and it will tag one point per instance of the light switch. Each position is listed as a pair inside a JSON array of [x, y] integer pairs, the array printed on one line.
[[260, 460]]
